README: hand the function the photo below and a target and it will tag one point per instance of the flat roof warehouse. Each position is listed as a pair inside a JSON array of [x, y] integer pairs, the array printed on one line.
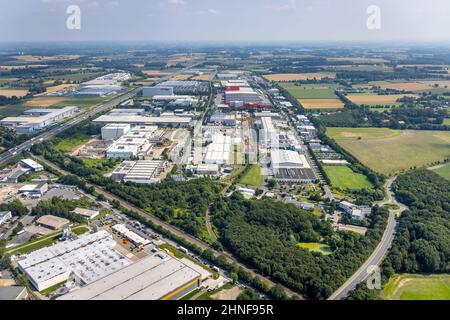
[[156, 277]]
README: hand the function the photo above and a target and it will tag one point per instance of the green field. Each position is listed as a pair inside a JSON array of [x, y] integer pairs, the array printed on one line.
[[69, 144], [310, 91], [315, 247], [388, 151], [444, 172], [418, 287], [343, 177], [82, 102], [253, 177], [13, 110]]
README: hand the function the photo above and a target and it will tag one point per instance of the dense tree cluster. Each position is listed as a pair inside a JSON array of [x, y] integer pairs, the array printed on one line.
[[422, 243], [16, 207], [10, 139], [60, 208], [265, 235], [183, 204], [408, 116]]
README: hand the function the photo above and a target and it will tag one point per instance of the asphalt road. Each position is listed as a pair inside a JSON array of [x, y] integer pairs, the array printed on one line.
[[81, 117], [380, 251], [64, 126]]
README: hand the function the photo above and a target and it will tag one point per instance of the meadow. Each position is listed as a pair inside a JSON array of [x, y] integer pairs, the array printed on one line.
[[315, 247], [343, 177], [389, 151], [444, 172], [418, 287], [253, 177], [314, 96]]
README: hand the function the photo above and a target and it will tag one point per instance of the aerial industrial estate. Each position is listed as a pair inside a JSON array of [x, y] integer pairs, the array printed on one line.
[[253, 172]]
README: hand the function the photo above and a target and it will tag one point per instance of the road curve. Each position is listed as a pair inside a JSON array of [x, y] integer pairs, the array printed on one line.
[[376, 258]]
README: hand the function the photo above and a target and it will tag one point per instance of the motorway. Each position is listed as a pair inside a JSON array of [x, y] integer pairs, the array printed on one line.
[[72, 122], [81, 117], [380, 251]]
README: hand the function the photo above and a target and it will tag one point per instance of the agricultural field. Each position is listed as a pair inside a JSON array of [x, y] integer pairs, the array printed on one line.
[[358, 60], [82, 102], [315, 96], [286, 77], [253, 177], [12, 110], [311, 91], [418, 287], [316, 104], [155, 73], [19, 93], [343, 178], [415, 86], [181, 77], [315, 247], [35, 58], [375, 99], [389, 151], [57, 88], [204, 77], [69, 144], [44, 102], [360, 68], [444, 172]]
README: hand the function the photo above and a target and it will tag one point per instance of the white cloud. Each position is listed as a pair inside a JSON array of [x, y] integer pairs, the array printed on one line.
[[177, 2]]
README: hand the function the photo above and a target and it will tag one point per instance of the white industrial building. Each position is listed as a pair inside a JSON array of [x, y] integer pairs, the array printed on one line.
[[142, 171], [86, 213], [135, 143], [31, 164], [228, 76], [219, 151], [155, 277], [284, 159], [235, 83], [37, 119], [157, 91], [137, 120], [268, 134], [131, 236], [37, 189], [244, 95], [207, 169], [86, 259], [356, 212], [114, 131], [5, 216]]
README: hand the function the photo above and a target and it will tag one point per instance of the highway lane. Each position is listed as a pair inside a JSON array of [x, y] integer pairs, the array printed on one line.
[[376, 258], [81, 117], [69, 124]]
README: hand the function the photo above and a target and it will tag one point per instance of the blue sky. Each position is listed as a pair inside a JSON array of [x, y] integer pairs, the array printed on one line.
[[225, 20]]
